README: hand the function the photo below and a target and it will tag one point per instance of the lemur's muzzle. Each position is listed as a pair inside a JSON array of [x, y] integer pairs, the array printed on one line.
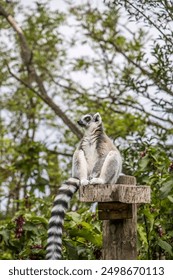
[[80, 123]]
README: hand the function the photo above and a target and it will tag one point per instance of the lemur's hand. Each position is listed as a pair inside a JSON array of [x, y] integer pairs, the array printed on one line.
[[84, 182], [97, 181]]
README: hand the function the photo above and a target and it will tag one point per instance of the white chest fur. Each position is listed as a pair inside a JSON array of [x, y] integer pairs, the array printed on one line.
[[91, 154]]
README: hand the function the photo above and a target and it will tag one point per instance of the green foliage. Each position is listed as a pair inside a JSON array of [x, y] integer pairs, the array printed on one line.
[[152, 166], [83, 235], [25, 235]]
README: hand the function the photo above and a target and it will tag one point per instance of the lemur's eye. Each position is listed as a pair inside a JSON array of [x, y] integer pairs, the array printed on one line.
[[87, 119]]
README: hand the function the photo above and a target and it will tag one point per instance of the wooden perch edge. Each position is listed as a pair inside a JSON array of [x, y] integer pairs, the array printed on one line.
[[124, 191]]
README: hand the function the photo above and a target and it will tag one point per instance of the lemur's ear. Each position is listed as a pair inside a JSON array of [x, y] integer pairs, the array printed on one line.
[[97, 117]]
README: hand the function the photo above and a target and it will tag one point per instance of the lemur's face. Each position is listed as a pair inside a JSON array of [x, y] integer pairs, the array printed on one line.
[[88, 120]]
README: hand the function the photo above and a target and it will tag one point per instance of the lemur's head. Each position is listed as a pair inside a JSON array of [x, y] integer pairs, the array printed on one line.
[[90, 120]]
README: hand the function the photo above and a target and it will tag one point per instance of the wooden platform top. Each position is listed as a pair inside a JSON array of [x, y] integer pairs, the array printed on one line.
[[125, 191]]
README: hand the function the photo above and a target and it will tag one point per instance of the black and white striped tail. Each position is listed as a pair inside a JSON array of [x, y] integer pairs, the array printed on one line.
[[56, 221]]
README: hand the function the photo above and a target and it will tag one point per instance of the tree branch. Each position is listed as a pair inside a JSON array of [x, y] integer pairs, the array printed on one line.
[[143, 70], [26, 55], [149, 20]]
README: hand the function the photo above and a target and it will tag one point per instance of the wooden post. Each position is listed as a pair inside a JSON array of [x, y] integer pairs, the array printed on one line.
[[117, 207]]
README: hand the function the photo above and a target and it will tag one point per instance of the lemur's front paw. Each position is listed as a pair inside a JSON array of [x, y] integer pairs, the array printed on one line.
[[96, 181], [84, 182]]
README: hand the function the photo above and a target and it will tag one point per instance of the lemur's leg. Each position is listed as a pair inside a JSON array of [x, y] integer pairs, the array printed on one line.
[[110, 170], [97, 168], [79, 167]]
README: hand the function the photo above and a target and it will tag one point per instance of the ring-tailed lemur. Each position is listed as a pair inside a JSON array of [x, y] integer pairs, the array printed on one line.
[[95, 161]]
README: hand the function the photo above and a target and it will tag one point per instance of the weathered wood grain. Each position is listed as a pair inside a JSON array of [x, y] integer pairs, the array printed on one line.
[[120, 238], [116, 192], [120, 235], [114, 210]]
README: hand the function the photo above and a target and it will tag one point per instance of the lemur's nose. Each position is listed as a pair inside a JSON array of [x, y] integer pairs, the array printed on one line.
[[80, 122]]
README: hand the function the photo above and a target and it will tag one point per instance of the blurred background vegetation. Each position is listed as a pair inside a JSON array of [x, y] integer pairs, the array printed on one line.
[[115, 58]]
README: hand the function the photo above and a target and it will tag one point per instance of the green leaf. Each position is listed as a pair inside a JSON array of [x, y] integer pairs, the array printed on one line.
[[142, 234], [38, 220], [74, 216], [144, 163], [170, 232], [170, 198], [89, 235], [165, 246], [166, 188], [30, 227], [4, 235]]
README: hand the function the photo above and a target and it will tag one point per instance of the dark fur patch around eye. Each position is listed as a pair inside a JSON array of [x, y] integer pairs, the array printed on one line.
[[87, 119]]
